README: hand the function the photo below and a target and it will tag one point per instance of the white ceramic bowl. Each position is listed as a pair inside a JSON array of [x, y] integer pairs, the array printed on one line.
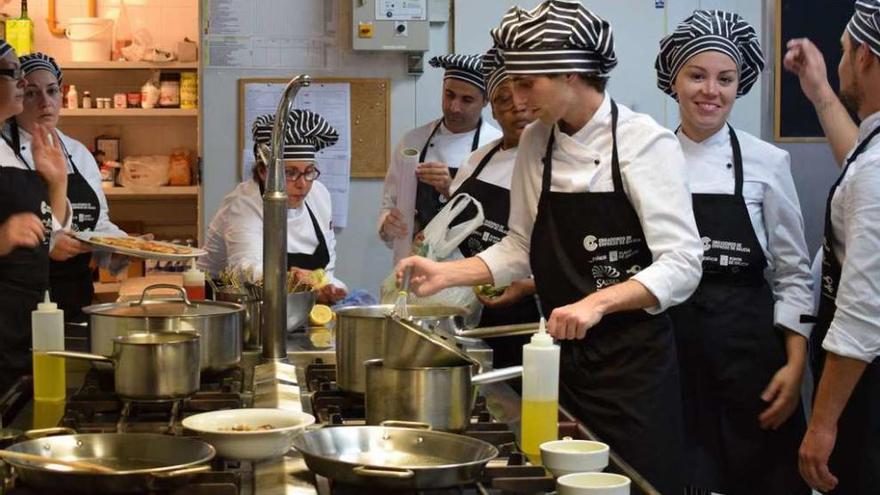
[[215, 428], [569, 456], [593, 484]]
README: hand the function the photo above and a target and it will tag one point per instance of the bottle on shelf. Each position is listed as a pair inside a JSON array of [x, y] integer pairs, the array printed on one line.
[[20, 32], [540, 393], [72, 97], [87, 99], [47, 332]]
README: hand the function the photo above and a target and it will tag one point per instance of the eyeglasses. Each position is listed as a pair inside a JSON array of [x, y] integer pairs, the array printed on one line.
[[14, 74], [293, 175]]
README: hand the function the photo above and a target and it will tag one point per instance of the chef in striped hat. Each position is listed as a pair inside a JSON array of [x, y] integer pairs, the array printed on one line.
[[485, 175], [70, 274], [443, 145], [741, 346], [840, 453], [601, 215], [235, 236]]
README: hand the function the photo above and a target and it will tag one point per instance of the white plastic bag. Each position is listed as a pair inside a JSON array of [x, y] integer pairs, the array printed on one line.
[[150, 171], [441, 244]]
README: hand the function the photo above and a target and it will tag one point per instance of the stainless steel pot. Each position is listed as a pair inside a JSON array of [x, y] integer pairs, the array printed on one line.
[[151, 366], [395, 458], [217, 323], [251, 336], [409, 345], [442, 397], [360, 336], [144, 462]]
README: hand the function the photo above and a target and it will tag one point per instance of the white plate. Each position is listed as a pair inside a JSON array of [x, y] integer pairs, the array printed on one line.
[[138, 253], [251, 445]]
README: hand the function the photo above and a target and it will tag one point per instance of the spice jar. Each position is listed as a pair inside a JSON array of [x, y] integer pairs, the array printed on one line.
[[120, 100], [169, 90], [189, 90], [134, 100]]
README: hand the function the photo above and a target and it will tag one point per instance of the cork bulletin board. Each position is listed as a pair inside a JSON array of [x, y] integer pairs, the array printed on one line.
[[370, 121]]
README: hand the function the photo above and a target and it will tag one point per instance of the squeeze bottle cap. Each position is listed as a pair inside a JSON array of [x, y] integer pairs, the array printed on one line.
[[542, 338], [47, 305]]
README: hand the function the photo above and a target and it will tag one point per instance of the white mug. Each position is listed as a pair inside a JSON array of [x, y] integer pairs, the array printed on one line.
[[593, 484]]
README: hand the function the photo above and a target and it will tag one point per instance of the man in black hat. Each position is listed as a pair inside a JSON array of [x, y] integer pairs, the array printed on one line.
[[841, 450]]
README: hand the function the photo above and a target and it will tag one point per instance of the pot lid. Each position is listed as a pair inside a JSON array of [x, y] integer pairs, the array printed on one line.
[[163, 308], [407, 344]]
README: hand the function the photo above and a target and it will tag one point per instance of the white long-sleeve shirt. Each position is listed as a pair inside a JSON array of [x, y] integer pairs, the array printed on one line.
[[87, 167], [653, 169], [498, 171], [774, 211], [855, 218], [235, 236], [445, 147]]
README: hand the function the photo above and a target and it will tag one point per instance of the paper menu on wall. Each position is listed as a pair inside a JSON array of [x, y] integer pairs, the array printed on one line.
[[333, 102]]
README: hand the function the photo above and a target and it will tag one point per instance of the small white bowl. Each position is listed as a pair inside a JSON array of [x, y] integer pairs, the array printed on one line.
[[215, 428], [593, 484], [569, 456]]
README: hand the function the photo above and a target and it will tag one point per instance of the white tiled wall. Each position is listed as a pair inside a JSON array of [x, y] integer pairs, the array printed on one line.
[[168, 21]]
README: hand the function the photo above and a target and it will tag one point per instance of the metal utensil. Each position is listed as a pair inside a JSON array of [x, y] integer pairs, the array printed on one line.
[[408, 345], [48, 462], [394, 458], [400, 305]]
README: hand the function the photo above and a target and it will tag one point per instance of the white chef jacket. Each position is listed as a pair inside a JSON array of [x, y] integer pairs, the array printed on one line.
[[497, 172], [855, 218], [87, 167], [235, 236], [771, 200], [652, 168], [8, 158], [445, 147]]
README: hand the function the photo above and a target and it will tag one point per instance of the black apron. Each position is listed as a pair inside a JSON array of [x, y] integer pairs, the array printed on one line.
[[728, 351], [24, 273], [856, 456], [319, 258], [428, 202], [71, 280], [621, 380], [506, 351]]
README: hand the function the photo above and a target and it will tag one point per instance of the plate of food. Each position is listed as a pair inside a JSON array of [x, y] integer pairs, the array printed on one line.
[[139, 248]]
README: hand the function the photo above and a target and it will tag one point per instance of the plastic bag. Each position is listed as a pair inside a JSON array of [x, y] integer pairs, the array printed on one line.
[[441, 244], [144, 171]]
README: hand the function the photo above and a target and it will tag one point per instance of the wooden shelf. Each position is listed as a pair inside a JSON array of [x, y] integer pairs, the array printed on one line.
[[130, 65], [129, 112], [164, 192]]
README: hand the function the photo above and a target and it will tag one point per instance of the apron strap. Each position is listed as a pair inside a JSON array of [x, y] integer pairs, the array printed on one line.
[[319, 234], [485, 161], [476, 142], [737, 162], [424, 151], [15, 144], [615, 162]]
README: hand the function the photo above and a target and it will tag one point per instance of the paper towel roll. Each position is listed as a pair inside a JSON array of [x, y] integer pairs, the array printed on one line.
[[406, 199]]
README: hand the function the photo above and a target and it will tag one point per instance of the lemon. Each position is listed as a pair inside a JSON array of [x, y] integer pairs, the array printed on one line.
[[320, 315]]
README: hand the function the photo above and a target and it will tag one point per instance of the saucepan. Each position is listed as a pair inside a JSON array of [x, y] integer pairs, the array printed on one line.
[[151, 366], [440, 396], [140, 462]]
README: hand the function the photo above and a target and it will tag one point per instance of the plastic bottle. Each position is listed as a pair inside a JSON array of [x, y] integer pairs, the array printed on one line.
[[72, 97], [194, 282], [47, 327], [87, 99], [122, 36], [540, 393]]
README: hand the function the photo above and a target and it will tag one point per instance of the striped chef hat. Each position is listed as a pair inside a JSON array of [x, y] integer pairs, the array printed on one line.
[[865, 24], [711, 30], [307, 133], [39, 61], [494, 72], [467, 68], [556, 36], [4, 48]]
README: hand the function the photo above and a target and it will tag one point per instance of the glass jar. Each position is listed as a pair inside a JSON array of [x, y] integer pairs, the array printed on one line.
[[169, 90]]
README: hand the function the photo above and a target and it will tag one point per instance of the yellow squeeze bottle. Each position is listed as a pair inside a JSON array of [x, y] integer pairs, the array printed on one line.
[[47, 331], [540, 393]]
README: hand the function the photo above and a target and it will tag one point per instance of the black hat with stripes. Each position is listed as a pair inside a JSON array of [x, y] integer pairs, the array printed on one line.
[[40, 61], [467, 68], [711, 30], [307, 133], [557, 36], [493, 70], [865, 24]]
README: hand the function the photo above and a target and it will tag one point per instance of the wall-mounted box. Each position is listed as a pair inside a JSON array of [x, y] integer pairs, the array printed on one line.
[[390, 25]]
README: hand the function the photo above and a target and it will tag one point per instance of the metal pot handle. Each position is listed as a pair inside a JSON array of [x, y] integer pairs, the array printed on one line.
[[498, 375], [393, 423], [80, 355], [499, 331], [180, 290], [384, 472], [45, 432], [181, 472]]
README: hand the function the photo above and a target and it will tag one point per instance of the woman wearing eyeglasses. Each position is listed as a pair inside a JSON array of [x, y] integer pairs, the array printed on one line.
[[235, 237], [33, 206]]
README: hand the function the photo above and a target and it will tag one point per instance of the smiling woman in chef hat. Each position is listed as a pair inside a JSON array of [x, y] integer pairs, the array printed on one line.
[[742, 347], [235, 237]]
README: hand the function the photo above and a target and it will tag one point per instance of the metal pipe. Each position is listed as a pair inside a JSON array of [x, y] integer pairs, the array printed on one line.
[[499, 331], [275, 231]]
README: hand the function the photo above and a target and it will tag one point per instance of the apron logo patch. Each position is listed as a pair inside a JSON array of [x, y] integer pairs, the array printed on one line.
[[828, 284], [707, 243], [45, 209], [590, 243], [634, 269], [605, 275]]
